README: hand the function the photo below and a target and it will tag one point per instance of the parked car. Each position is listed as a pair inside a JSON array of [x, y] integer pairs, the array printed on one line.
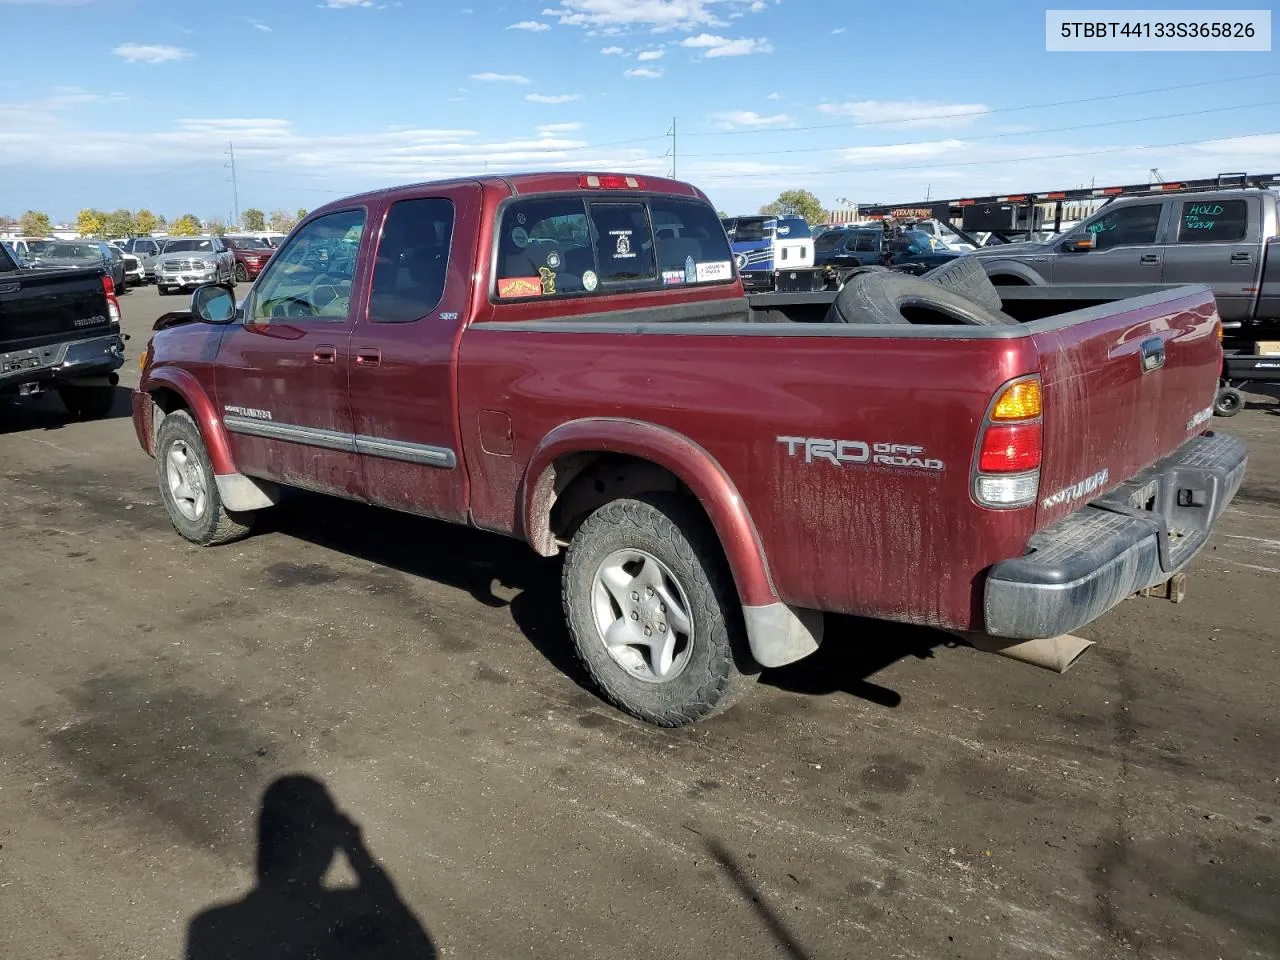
[[1224, 238], [186, 262], [862, 247], [135, 274], [91, 254], [251, 255], [59, 329], [520, 354], [145, 249], [28, 249]]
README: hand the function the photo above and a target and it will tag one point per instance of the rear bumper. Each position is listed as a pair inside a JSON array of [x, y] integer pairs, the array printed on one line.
[[1136, 536], [61, 361]]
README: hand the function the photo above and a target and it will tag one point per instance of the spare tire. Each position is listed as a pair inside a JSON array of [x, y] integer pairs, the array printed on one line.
[[894, 298], [965, 276]]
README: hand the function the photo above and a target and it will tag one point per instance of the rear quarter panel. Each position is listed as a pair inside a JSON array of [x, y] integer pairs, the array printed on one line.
[[884, 541]]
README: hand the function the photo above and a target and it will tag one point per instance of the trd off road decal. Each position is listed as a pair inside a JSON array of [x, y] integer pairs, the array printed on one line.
[[906, 456]]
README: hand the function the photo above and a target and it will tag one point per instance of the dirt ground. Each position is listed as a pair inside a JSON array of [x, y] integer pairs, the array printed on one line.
[[895, 796]]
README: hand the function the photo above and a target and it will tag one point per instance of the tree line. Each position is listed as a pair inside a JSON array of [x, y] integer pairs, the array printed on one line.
[[91, 222]]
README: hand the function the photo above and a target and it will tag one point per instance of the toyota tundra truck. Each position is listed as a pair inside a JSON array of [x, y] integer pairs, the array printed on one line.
[[570, 359]]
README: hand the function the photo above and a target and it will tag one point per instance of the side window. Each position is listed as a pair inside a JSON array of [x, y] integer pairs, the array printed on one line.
[[311, 278], [544, 249], [1126, 226], [624, 245], [413, 257], [865, 243], [690, 242], [1218, 221]]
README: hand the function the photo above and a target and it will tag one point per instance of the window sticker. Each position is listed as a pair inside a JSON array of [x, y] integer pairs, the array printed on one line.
[[672, 276], [547, 280], [553, 259], [622, 244], [720, 270], [690, 271], [520, 237], [589, 280], [520, 287]]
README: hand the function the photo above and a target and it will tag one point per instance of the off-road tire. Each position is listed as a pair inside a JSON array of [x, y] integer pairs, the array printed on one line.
[[720, 670], [87, 403], [216, 525]]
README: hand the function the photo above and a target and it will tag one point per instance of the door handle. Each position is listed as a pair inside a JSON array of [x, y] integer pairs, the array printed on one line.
[[1149, 258], [368, 357], [1242, 257], [324, 353]]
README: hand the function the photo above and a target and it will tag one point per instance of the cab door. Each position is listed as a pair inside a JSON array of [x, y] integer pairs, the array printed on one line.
[[1217, 241], [403, 393], [282, 373], [1127, 247]]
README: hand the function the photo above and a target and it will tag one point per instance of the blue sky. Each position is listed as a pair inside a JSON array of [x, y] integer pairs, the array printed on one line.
[[131, 103]]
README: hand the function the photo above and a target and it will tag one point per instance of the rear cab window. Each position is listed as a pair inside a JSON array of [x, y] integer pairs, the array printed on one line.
[[580, 246], [1213, 221]]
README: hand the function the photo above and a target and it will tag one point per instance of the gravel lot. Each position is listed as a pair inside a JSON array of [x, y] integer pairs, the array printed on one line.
[[896, 796]]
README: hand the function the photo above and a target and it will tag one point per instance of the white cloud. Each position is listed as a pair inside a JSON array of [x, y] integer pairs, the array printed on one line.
[[612, 51], [650, 55], [905, 151], [647, 73], [533, 26], [617, 16], [553, 128], [907, 113], [500, 78], [757, 6], [150, 53], [724, 47], [838, 30], [345, 4], [257, 25], [774, 96], [749, 118], [552, 98]]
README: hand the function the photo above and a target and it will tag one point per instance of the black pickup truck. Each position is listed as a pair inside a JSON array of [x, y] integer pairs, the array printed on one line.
[[59, 329]]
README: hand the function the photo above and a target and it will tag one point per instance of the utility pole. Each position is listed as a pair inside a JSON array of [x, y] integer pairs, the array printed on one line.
[[672, 152], [235, 187]]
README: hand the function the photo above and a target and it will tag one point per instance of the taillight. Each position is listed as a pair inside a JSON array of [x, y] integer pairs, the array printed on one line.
[[113, 305], [108, 285], [1010, 446], [609, 181]]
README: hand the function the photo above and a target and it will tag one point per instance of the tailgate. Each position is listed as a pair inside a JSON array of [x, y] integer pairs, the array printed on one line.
[[39, 307], [1108, 414]]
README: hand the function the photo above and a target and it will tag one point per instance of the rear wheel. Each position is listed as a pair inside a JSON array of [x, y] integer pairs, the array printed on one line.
[[162, 289], [87, 403], [653, 612], [1228, 402], [188, 487]]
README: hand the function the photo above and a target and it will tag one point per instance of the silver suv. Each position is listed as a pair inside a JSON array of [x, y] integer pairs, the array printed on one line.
[[187, 262]]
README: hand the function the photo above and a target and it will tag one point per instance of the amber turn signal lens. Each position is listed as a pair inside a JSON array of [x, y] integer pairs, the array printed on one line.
[[1020, 401]]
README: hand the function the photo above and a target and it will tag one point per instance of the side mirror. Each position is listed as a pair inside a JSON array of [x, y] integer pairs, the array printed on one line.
[[213, 303], [1081, 244]]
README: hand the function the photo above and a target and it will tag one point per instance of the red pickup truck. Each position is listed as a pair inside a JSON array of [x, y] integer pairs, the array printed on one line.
[[570, 360]]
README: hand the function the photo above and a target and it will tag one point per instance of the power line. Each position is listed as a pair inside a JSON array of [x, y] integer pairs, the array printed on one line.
[[985, 113], [993, 162], [993, 136]]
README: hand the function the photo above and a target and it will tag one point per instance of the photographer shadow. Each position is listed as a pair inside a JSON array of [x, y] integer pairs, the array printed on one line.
[[290, 914]]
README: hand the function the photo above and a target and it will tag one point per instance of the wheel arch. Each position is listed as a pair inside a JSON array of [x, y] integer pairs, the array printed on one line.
[[1011, 273], [172, 388]]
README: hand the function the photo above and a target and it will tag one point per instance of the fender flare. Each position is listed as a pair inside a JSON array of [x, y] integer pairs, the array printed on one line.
[[1012, 268], [684, 458], [183, 383]]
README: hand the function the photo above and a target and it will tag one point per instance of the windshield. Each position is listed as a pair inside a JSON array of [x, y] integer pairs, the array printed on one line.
[[248, 243], [183, 246], [71, 251], [754, 228]]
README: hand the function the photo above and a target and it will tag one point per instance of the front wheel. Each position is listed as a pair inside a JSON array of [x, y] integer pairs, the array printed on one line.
[[652, 609], [188, 487], [242, 275], [1228, 402]]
